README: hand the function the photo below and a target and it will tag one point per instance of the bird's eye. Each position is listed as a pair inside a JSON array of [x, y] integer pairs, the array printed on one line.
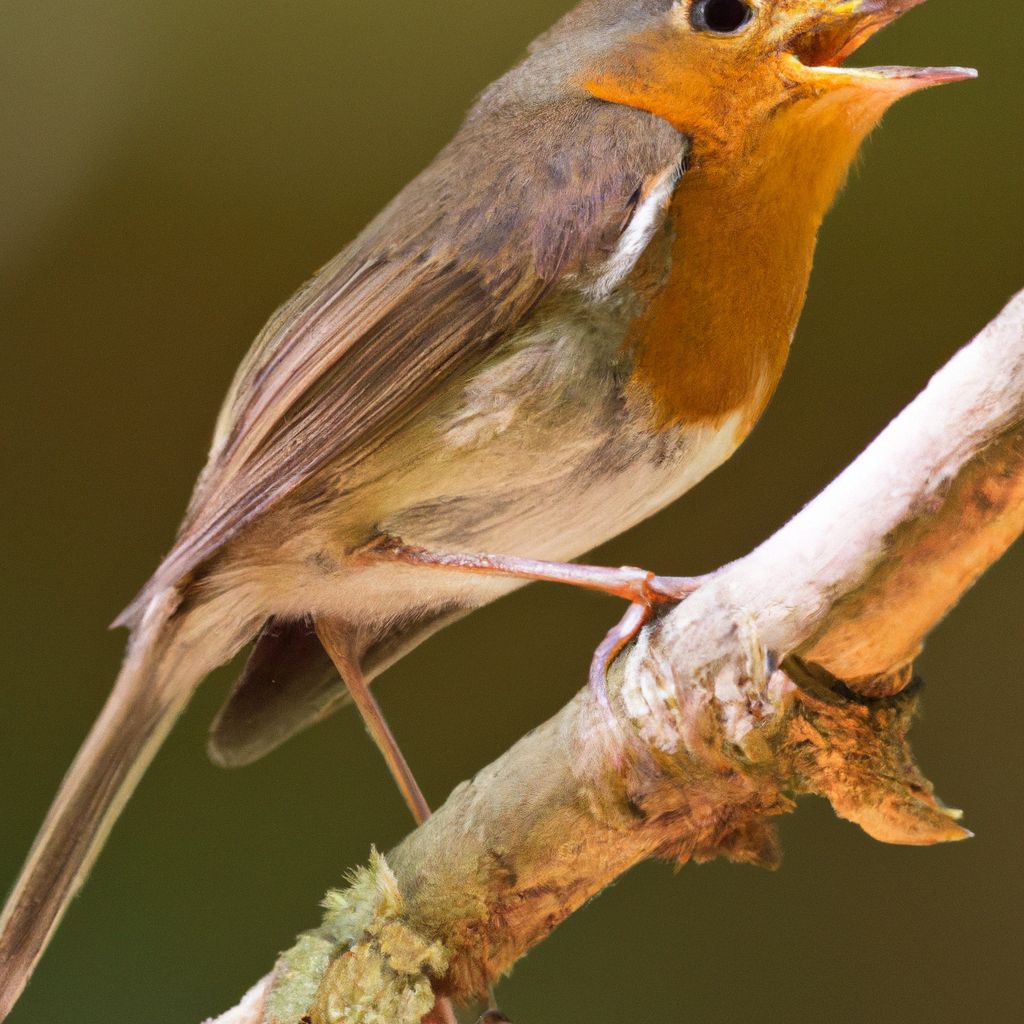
[[722, 17]]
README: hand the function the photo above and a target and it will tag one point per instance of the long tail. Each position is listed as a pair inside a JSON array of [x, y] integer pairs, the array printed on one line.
[[162, 668]]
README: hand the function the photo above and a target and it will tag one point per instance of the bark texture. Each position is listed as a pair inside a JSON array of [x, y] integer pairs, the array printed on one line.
[[788, 672]]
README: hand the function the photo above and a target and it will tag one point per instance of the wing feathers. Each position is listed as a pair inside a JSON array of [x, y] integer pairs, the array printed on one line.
[[454, 265]]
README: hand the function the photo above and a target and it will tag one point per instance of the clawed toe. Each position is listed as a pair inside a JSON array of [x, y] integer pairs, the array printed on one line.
[[617, 637], [641, 588], [656, 590]]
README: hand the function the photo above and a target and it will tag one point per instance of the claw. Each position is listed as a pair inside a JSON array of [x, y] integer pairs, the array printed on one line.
[[651, 590], [608, 649]]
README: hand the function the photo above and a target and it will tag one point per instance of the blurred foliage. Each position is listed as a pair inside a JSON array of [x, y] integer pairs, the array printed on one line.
[[171, 171]]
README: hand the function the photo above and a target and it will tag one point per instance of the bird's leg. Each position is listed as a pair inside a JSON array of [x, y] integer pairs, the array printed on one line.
[[638, 586], [338, 644], [641, 588]]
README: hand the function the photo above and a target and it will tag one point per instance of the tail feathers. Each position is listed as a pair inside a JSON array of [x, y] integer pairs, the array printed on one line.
[[160, 673]]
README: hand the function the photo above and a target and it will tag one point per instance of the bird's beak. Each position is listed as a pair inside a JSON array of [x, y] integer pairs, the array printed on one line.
[[824, 34]]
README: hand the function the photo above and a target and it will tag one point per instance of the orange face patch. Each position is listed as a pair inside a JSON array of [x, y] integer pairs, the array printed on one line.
[[765, 164]]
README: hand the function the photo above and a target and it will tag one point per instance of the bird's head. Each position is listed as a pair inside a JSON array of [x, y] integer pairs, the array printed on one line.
[[722, 71]]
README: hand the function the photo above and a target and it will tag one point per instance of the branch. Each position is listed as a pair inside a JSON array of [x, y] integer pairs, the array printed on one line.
[[725, 707]]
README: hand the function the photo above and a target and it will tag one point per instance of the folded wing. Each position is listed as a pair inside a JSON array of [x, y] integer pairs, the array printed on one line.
[[514, 207]]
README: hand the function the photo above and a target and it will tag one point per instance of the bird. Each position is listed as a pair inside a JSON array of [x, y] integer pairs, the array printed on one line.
[[576, 312]]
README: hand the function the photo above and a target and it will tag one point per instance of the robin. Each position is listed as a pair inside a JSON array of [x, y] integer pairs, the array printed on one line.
[[574, 314]]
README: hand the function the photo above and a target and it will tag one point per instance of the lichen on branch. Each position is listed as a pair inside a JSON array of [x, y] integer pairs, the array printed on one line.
[[788, 672]]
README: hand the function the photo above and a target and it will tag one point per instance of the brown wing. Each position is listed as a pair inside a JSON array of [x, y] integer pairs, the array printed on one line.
[[520, 200]]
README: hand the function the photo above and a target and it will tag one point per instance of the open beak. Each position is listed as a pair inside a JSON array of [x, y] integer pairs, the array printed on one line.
[[831, 32]]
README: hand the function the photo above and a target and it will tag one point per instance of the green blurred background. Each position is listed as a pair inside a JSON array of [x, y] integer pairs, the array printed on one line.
[[170, 172]]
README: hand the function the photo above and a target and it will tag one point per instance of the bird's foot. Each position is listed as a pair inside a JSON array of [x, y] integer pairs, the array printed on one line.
[[641, 588], [624, 631], [658, 590]]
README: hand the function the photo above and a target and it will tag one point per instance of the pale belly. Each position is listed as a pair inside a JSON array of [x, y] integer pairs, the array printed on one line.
[[524, 460]]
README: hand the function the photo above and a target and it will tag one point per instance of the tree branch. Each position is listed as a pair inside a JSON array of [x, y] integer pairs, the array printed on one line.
[[727, 705]]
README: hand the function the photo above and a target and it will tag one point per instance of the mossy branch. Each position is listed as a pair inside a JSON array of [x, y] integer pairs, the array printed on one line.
[[788, 672]]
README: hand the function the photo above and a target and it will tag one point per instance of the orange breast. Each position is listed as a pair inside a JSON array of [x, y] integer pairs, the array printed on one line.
[[714, 339]]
